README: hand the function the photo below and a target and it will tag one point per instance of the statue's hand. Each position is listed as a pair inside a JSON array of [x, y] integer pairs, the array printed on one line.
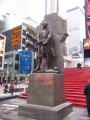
[[45, 43], [39, 42]]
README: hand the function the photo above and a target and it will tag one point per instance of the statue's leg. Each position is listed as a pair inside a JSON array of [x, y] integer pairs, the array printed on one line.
[[39, 63], [47, 62]]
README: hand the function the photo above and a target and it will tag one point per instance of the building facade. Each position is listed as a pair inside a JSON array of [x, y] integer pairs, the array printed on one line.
[[76, 30], [18, 39]]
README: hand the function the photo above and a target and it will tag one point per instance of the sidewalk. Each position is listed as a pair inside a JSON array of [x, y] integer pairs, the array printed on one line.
[[6, 96], [11, 105], [77, 114]]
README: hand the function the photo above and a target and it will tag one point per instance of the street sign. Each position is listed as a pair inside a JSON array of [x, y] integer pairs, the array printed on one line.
[[7, 72]]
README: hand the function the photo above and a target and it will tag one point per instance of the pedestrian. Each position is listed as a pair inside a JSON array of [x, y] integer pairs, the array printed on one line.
[[79, 66], [6, 88], [1, 83], [87, 93], [11, 88]]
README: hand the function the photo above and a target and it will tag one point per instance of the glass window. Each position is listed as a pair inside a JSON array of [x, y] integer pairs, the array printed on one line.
[[6, 56], [11, 65], [16, 66], [11, 56], [24, 32], [5, 65], [23, 40], [23, 48], [17, 57]]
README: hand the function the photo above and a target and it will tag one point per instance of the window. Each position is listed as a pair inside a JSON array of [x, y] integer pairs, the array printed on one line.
[[11, 56], [6, 56], [5, 65], [17, 57], [11, 65], [16, 66], [24, 32], [23, 48], [23, 40]]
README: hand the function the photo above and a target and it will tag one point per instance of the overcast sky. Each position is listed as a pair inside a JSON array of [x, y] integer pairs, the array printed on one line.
[[34, 8]]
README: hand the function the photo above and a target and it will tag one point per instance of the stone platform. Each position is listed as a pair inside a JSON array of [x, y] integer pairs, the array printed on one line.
[[39, 112], [46, 98]]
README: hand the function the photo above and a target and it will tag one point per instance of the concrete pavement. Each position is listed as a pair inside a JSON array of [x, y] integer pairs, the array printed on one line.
[[9, 109]]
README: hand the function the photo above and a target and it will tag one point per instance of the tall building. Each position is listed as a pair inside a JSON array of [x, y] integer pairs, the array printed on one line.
[[21, 38], [87, 40], [87, 18], [1, 23], [76, 30]]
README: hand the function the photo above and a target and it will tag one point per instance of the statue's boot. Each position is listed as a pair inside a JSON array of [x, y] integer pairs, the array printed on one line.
[[39, 64], [47, 63]]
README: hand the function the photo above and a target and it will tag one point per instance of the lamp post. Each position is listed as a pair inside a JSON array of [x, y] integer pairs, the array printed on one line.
[[19, 50]]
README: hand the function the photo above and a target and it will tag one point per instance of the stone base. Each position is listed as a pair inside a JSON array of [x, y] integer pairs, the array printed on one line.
[[39, 112], [46, 89]]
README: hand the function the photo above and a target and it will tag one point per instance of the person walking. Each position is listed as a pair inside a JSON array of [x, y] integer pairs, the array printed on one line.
[[87, 93], [11, 88], [6, 88], [79, 66]]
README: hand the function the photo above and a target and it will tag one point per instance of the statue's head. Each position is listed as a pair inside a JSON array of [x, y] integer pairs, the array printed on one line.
[[45, 24]]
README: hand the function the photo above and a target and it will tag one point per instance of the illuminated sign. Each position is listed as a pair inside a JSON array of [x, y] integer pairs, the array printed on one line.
[[88, 6], [86, 43], [25, 61], [31, 31], [16, 36], [31, 42], [87, 18], [2, 49]]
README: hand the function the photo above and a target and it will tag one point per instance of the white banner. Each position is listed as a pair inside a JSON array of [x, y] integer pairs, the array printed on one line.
[[2, 49]]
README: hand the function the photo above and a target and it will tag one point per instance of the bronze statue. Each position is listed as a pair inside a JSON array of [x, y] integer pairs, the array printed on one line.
[[45, 48]]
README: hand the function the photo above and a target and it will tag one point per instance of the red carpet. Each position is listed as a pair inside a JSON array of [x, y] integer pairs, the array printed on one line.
[[74, 86]]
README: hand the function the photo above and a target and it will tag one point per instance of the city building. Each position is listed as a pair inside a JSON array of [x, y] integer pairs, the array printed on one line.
[[19, 39], [87, 40], [1, 24], [76, 31]]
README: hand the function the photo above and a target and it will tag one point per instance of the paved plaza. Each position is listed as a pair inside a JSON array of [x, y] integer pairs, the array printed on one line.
[[9, 111]]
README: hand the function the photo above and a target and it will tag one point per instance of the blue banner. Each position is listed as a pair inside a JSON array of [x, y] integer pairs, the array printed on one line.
[[25, 61]]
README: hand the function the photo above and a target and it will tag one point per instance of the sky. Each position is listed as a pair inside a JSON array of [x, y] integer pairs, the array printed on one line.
[[34, 8]]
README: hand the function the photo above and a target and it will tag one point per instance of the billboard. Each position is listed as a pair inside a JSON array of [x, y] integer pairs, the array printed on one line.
[[13, 39], [86, 44], [31, 42], [25, 61], [87, 17], [2, 50], [16, 36]]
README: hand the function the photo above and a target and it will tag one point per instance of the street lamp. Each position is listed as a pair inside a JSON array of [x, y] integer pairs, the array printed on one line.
[[19, 50]]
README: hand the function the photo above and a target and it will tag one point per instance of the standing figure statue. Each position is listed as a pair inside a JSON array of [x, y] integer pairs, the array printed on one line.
[[45, 48]]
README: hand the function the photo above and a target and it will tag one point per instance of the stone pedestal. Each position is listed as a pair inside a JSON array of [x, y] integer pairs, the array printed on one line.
[[46, 98], [39, 112], [47, 89]]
